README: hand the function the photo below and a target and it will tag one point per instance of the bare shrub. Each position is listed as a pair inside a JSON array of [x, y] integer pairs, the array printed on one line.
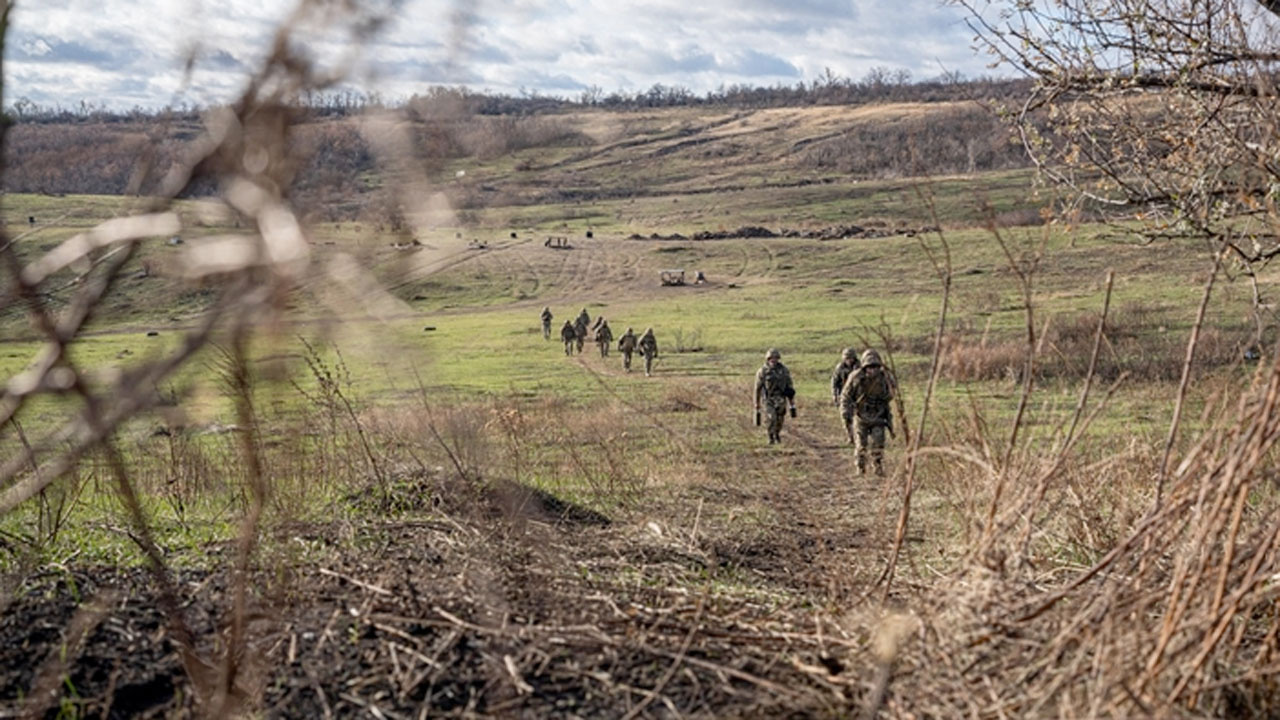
[[1138, 344], [487, 137], [599, 448], [686, 340], [963, 138]]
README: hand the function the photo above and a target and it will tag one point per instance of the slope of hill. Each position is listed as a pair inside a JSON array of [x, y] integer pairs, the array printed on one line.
[[487, 161]]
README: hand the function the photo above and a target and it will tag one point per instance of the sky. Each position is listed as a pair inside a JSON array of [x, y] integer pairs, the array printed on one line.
[[121, 54]]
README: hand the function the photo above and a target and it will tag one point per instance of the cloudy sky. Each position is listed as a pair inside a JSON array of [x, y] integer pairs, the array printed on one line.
[[126, 53]]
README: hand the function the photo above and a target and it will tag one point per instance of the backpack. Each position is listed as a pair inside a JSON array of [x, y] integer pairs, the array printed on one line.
[[874, 396], [775, 381]]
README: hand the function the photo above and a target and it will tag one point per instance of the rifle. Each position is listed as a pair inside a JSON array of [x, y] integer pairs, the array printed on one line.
[[757, 417]]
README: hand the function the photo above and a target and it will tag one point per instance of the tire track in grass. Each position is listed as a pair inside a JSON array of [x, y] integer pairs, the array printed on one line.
[[771, 265], [532, 274], [741, 274]]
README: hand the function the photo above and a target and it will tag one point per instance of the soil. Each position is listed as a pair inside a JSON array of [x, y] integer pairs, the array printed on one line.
[[500, 602]]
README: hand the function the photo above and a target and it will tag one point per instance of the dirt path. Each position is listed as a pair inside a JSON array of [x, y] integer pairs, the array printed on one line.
[[724, 595]]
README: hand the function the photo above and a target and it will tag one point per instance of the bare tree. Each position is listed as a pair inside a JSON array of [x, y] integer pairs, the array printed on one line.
[[1151, 109]]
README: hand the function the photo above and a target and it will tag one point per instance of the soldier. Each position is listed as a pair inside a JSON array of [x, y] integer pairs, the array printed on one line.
[[546, 323], [627, 345], [848, 363], [580, 325], [568, 335], [649, 349], [604, 337], [775, 391], [864, 405]]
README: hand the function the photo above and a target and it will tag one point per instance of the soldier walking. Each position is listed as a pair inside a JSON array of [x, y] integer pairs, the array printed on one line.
[[580, 326], [627, 345], [568, 336], [546, 323], [604, 337], [848, 363], [864, 405], [775, 391], [649, 349]]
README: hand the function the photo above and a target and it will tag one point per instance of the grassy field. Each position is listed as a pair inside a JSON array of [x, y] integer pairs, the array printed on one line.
[[457, 325], [413, 428]]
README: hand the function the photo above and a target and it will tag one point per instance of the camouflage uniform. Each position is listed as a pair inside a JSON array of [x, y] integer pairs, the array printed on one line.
[[604, 337], [627, 345], [568, 335], [546, 323], [848, 363], [580, 326], [864, 405], [775, 391], [649, 349]]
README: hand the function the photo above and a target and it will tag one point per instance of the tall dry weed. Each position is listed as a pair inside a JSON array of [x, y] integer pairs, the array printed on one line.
[[1098, 574]]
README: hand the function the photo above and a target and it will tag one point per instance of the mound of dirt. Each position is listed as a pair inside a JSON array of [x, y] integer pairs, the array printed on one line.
[[835, 232]]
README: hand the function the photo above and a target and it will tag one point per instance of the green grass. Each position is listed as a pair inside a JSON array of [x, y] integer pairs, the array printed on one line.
[[484, 354]]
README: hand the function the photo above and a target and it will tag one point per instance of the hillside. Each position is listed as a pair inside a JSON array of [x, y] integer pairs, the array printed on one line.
[[538, 159]]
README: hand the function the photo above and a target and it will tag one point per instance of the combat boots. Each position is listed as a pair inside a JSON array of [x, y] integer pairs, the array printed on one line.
[[862, 466]]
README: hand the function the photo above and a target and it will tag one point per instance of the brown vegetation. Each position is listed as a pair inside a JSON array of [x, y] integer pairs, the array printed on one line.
[[429, 571]]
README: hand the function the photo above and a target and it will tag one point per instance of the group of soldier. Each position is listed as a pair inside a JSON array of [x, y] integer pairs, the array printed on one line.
[[861, 389], [574, 336]]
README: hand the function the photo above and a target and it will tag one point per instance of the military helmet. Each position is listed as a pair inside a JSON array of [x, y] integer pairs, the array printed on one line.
[[773, 353], [870, 358], [849, 354], [648, 331], [633, 332]]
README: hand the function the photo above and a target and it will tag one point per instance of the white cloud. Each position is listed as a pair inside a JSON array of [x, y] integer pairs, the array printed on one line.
[[127, 52]]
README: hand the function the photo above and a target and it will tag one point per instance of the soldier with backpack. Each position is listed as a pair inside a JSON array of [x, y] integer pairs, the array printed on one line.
[[580, 325], [569, 336], [604, 337], [627, 345], [843, 369], [649, 349], [865, 407], [775, 392], [546, 323]]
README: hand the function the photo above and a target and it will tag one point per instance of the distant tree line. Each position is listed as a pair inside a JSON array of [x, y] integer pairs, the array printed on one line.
[[880, 84]]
